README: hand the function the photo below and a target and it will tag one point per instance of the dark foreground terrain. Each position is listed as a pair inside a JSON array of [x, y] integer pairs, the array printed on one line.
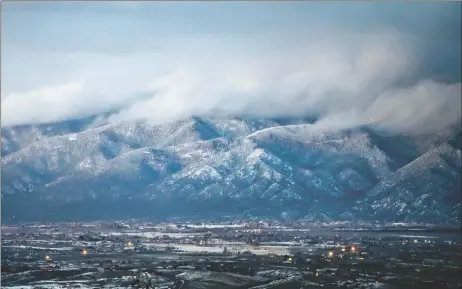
[[240, 255]]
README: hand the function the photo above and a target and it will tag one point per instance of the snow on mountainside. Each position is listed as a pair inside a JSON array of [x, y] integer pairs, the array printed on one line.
[[207, 167], [427, 188], [13, 139]]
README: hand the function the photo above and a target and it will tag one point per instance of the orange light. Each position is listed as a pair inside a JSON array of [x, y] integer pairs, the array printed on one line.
[[353, 249]]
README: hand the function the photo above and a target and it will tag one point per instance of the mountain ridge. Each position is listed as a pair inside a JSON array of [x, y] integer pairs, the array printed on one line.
[[243, 166]]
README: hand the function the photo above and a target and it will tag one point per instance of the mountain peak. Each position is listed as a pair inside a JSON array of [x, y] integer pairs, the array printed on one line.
[[236, 165]]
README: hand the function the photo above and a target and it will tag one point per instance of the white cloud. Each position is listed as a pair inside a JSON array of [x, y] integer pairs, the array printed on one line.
[[347, 89], [426, 107], [347, 81], [42, 105]]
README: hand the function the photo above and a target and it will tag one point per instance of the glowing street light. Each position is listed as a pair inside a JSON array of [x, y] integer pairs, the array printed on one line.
[[353, 249], [84, 252], [330, 254], [47, 258]]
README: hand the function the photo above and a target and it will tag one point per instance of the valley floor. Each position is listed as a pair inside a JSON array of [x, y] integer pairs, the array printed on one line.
[[241, 254]]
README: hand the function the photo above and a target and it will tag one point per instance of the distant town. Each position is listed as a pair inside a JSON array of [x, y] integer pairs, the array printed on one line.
[[241, 254]]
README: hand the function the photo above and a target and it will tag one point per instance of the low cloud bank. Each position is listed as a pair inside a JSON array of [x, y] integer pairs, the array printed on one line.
[[345, 78], [376, 83]]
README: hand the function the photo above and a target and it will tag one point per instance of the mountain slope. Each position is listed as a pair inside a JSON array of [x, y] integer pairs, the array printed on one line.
[[14, 139], [426, 189], [211, 167]]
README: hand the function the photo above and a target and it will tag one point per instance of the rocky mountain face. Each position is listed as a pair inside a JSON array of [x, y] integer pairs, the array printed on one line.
[[205, 167]]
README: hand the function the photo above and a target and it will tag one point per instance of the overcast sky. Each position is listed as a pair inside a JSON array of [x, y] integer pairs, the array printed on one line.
[[397, 65]]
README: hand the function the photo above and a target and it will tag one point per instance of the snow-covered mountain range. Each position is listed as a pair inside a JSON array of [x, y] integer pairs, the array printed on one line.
[[209, 167]]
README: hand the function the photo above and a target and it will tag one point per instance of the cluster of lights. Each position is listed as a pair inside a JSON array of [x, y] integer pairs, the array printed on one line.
[[343, 249]]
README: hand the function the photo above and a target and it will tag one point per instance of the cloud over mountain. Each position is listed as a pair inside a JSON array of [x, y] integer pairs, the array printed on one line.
[[383, 71]]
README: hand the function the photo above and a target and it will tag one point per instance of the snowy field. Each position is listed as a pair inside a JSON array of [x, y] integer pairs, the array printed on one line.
[[231, 248]]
